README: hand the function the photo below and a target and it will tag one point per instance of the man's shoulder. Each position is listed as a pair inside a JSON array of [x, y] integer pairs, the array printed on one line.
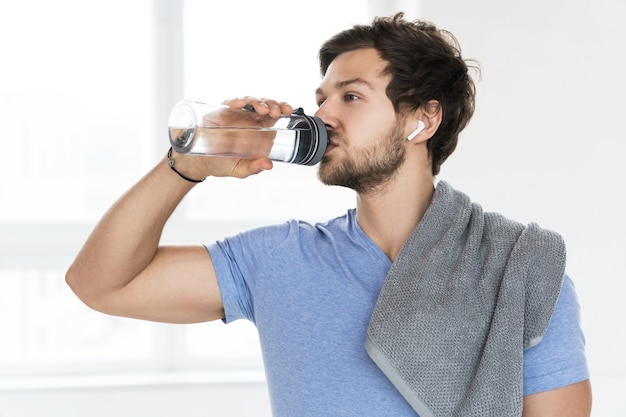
[[297, 229], [531, 234]]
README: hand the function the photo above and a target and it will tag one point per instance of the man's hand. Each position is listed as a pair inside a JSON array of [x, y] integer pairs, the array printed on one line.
[[265, 113]]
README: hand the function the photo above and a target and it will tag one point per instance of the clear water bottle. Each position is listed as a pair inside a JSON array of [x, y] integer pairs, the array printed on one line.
[[205, 129]]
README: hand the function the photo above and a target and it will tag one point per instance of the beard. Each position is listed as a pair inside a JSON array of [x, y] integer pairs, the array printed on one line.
[[367, 169]]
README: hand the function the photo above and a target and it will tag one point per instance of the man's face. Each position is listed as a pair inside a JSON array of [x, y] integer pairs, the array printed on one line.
[[366, 138]]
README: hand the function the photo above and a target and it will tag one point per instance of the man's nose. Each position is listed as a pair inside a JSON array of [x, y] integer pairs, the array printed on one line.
[[325, 113]]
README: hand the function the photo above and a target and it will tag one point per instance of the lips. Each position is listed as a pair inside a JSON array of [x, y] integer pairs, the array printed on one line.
[[331, 145]]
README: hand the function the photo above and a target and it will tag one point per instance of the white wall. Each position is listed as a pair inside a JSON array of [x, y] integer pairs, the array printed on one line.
[[547, 144]]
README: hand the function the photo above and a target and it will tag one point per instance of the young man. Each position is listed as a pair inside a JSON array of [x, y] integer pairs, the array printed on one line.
[[414, 303]]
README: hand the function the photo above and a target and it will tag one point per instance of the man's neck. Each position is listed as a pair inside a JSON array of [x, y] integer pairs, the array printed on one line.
[[389, 214]]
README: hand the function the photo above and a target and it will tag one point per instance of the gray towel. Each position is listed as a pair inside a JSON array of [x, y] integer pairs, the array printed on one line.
[[468, 292]]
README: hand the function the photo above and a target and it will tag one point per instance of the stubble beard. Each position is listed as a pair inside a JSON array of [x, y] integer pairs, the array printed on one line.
[[368, 169]]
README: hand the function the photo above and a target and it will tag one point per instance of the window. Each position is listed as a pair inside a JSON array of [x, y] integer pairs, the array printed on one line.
[[84, 91], [74, 106]]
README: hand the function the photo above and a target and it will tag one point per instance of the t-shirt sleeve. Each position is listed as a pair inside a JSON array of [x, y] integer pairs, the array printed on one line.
[[238, 262], [233, 289], [559, 359]]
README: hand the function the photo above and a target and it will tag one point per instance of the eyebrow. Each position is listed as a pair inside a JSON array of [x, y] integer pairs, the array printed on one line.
[[342, 84]]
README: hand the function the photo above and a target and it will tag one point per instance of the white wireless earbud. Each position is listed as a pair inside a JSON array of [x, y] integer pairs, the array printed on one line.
[[420, 127]]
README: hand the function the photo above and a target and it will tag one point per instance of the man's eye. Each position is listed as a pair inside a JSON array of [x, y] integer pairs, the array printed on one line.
[[320, 102], [351, 97]]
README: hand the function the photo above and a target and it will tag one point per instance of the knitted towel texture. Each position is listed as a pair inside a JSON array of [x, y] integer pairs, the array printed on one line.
[[467, 294]]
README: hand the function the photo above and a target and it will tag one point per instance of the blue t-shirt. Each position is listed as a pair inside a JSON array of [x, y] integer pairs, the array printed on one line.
[[311, 289]]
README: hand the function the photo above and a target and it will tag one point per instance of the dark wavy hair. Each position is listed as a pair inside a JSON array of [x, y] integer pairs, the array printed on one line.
[[425, 64]]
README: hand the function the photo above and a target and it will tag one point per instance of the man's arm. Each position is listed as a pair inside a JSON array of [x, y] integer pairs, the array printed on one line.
[[570, 401], [122, 269]]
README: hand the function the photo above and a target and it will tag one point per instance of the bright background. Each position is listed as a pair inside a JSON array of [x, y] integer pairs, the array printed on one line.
[[85, 90]]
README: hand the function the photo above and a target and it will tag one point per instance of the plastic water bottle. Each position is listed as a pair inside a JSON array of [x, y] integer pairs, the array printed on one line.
[[205, 129]]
